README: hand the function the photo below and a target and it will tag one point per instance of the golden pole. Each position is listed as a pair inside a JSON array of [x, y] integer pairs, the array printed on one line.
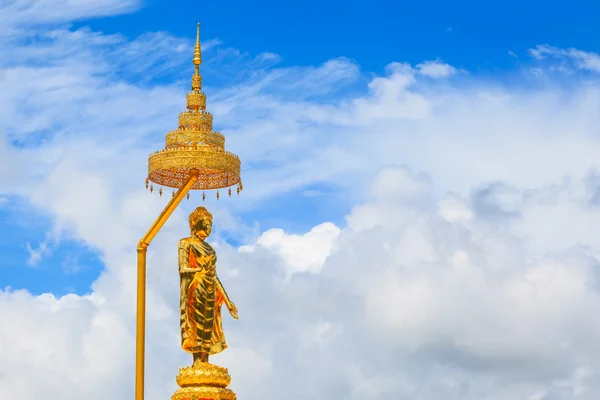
[[141, 280]]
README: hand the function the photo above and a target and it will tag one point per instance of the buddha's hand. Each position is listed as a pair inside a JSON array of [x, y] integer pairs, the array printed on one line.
[[233, 310]]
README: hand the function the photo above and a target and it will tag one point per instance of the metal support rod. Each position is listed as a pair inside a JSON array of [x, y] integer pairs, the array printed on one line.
[[141, 280]]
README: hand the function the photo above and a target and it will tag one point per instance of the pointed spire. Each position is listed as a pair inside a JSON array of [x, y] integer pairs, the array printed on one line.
[[197, 78], [197, 56]]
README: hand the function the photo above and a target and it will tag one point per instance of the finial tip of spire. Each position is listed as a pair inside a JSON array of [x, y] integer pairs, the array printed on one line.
[[197, 57]]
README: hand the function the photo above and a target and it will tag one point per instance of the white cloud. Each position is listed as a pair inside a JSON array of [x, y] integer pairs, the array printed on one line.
[[452, 208], [582, 59], [45, 247], [435, 69], [300, 253], [35, 255], [399, 185], [30, 12]]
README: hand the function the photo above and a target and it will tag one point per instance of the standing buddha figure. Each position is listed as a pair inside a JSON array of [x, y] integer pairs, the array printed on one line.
[[202, 294]]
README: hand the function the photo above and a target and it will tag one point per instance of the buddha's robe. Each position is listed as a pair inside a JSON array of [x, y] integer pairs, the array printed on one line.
[[202, 296]]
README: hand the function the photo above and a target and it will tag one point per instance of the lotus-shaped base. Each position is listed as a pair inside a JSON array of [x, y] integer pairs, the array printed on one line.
[[203, 381]]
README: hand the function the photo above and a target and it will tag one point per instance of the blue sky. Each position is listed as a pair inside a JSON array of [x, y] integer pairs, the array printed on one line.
[[69, 267], [423, 176], [466, 34]]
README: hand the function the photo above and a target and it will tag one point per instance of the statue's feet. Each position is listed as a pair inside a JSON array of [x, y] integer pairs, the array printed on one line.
[[200, 358], [198, 362]]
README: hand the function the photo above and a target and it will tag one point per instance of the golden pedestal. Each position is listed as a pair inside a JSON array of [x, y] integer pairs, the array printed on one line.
[[203, 381]]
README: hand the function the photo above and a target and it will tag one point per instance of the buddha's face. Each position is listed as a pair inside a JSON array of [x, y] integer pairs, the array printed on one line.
[[203, 228]]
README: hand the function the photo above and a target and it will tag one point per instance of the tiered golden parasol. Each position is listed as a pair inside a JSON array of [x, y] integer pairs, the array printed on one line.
[[194, 145]]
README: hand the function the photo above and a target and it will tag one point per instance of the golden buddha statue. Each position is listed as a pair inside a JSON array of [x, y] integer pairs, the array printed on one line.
[[202, 294]]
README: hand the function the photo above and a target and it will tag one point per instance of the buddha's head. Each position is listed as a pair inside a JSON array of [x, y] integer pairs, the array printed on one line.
[[200, 223]]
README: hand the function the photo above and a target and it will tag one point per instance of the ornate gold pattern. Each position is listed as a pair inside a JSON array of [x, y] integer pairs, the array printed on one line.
[[196, 101], [194, 145], [203, 374], [203, 381], [196, 82], [185, 139], [204, 393], [220, 169], [196, 120]]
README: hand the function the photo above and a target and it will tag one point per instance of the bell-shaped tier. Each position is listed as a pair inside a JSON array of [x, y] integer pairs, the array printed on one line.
[[218, 169]]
